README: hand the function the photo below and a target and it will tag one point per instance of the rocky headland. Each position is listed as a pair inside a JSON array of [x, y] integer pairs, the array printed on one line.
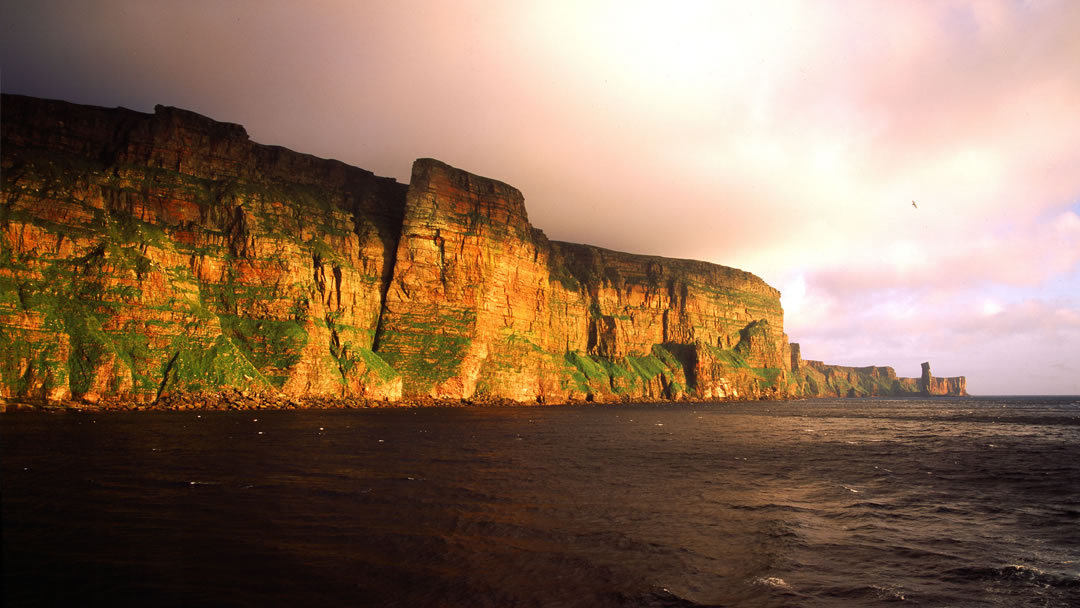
[[167, 261]]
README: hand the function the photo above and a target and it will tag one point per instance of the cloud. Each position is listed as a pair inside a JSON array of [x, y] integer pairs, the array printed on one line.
[[1022, 256], [785, 138]]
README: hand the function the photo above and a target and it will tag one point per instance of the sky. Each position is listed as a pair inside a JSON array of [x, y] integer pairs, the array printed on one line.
[[788, 139]]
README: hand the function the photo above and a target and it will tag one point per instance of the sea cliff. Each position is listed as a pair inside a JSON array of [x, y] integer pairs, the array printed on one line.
[[166, 259]]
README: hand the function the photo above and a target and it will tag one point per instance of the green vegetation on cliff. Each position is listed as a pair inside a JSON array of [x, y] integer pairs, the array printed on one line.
[[427, 348], [145, 255]]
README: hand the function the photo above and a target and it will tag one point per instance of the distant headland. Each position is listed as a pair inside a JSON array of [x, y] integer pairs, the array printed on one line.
[[166, 260]]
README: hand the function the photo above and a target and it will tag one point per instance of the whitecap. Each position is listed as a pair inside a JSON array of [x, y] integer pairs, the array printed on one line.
[[1022, 568], [888, 593], [772, 581]]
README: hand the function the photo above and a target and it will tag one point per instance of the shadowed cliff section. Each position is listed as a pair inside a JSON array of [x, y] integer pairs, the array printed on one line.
[[149, 257]]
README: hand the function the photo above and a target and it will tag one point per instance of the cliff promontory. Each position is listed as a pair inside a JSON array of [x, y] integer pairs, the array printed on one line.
[[150, 258]]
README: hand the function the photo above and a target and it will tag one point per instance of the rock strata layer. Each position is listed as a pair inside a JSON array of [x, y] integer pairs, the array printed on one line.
[[167, 259]]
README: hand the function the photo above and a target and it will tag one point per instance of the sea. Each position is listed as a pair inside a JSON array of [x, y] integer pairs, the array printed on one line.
[[852, 502]]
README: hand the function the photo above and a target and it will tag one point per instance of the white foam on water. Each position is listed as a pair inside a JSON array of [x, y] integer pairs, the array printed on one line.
[[772, 581], [1022, 567], [888, 593]]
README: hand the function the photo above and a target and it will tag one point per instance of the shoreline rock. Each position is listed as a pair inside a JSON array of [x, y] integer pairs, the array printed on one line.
[[233, 401]]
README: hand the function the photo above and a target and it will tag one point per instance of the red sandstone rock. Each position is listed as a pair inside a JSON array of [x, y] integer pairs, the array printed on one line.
[[147, 258]]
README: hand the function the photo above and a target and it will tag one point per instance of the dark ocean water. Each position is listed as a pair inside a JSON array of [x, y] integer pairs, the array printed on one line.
[[949, 502]]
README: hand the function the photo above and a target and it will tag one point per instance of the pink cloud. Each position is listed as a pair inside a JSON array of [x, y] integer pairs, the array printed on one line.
[[784, 138]]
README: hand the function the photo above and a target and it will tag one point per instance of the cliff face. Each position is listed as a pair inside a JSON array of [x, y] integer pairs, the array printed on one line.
[[143, 254], [481, 304], [468, 308], [149, 255]]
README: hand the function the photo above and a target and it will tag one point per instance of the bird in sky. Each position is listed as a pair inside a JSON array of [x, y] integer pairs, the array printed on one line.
[[914, 205]]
